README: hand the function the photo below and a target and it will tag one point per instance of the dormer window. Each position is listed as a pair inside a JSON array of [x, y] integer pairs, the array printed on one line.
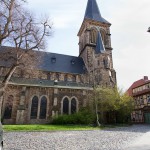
[[53, 59], [72, 61]]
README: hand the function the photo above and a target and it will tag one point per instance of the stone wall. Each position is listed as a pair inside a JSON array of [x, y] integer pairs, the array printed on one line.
[[23, 99]]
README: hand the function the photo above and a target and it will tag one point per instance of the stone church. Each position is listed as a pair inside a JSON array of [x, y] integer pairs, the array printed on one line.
[[61, 83]]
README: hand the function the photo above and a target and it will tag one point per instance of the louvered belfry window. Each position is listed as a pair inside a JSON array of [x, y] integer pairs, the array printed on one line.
[[93, 36]]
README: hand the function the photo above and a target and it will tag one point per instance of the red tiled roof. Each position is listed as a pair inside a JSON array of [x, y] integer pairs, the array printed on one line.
[[137, 84]]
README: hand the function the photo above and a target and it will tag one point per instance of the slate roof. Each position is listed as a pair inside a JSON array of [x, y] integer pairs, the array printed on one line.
[[92, 12], [99, 44], [54, 62], [62, 63]]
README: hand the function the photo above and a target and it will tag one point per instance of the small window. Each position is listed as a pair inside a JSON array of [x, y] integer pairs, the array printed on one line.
[[141, 100], [98, 63], [72, 61], [48, 76], [57, 76], [53, 59], [105, 63], [74, 78], [148, 99], [65, 78]]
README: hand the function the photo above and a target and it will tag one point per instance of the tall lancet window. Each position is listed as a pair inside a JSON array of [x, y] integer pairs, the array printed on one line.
[[34, 108], [43, 107], [93, 36]]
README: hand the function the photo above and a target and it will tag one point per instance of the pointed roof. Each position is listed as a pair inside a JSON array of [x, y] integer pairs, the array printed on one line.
[[99, 44], [92, 12]]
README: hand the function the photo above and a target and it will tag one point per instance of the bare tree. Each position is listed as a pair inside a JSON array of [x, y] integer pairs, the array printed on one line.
[[23, 33]]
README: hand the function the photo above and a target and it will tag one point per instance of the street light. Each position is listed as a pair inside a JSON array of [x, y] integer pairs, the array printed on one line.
[[148, 29]]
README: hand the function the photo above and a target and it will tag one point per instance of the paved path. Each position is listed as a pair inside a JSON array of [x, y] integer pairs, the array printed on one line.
[[142, 143], [110, 139]]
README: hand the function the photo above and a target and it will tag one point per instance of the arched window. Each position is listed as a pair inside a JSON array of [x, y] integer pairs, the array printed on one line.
[[8, 107], [93, 36], [73, 106], [43, 107], [66, 106], [34, 107]]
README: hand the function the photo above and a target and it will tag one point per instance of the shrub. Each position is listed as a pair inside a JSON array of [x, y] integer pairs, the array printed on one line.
[[84, 116]]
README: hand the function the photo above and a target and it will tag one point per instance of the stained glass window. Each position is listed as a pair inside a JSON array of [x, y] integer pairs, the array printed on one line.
[[34, 107], [73, 105], [66, 106], [43, 107]]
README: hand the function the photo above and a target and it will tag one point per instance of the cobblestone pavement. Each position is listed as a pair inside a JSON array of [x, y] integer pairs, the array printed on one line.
[[108, 139]]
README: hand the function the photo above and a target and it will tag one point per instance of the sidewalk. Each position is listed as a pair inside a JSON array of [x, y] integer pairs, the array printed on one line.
[[143, 143]]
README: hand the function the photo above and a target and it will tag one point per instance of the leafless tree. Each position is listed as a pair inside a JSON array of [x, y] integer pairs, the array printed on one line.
[[23, 33]]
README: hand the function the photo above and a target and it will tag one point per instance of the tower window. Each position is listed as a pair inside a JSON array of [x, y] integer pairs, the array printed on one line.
[[98, 63], [93, 36]]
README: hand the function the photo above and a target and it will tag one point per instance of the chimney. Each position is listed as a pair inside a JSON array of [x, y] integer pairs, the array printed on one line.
[[145, 78]]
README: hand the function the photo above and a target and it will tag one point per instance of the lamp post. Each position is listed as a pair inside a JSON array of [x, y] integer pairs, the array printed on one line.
[[148, 29]]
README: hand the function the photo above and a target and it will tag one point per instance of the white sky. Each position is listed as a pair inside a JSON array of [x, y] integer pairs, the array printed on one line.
[[130, 20]]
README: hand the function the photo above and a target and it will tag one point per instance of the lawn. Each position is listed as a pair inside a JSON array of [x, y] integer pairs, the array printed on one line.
[[47, 127]]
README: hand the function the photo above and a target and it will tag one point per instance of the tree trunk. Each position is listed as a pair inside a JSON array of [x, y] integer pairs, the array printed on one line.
[[97, 117]]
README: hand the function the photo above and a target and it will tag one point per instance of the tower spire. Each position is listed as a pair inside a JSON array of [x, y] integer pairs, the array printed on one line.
[[93, 12]]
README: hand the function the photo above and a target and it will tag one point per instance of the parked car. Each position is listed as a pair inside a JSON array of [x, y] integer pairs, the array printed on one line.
[[1, 136]]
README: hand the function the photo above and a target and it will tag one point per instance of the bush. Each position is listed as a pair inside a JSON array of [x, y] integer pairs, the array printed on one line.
[[84, 116]]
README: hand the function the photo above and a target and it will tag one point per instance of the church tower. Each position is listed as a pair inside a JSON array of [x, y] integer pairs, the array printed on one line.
[[95, 46]]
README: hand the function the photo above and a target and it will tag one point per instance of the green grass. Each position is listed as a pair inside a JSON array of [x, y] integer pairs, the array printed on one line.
[[47, 127]]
